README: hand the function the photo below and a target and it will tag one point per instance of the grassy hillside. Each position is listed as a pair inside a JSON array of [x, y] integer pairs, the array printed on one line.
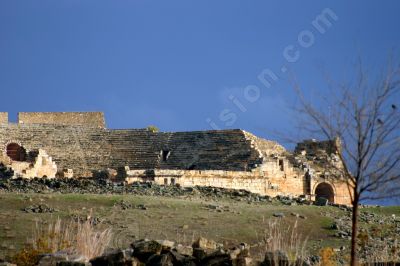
[[178, 219]]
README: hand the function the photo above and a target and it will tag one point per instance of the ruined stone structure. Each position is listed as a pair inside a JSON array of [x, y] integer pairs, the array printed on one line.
[[80, 145]]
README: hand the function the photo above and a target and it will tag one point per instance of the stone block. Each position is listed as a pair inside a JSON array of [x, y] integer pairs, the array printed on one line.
[[3, 118]]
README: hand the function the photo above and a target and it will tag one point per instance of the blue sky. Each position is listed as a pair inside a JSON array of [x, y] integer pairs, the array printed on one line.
[[182, 65]]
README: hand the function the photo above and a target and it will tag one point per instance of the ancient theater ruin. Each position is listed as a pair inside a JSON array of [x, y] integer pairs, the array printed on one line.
[[79, 145]]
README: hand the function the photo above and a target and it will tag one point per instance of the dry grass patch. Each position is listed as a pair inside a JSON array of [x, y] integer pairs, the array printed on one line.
[[81, 238]]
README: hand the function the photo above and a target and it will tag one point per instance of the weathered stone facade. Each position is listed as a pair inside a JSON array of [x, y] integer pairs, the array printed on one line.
[[79, 145]]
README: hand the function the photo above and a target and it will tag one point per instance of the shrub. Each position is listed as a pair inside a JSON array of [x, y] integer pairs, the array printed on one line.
[[153, 129], [328, 257], [5, 172]]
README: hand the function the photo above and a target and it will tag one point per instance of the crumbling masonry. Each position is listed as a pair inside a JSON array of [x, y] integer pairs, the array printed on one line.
[[79, 145]]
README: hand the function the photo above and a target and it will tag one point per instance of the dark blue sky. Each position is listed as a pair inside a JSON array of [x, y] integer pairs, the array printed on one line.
[[183, 65]]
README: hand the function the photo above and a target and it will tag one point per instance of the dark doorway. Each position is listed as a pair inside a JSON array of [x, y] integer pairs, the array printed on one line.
[[281, 166], [16, 152], [165, 154], [324, 190]]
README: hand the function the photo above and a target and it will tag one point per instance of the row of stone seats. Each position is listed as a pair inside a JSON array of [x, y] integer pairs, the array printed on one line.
[[89, 149]]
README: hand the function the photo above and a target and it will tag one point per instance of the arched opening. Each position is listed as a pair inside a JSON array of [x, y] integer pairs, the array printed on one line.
[[16, 152], [325, 190]]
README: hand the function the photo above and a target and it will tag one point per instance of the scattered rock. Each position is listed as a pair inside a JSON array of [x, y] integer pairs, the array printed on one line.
[[335, 226], [185, 227], [82, 219], [41, 208], [106, 186], [160, 260], [321, 201], [278, 214], [141, 207], [53, 259], [116, 257], [199, 253], [216, 258], [166, 244], [144, 249], [73, 263], [184, 250], [276, 258], [244, 261], [124, 205], [204, 243], [181, 259], [7, 264]]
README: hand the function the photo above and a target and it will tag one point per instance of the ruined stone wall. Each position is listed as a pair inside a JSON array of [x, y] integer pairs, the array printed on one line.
[[3, 118], [226, 158], [234, 180], [88, 149], [81, 148], [342, 195], [254, 181], [313, 147], [89, 119], [289, 184], [266, 148], [341, 191], [41, 166]]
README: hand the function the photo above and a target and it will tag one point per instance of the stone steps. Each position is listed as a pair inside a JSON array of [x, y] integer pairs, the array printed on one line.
[[83, 148]]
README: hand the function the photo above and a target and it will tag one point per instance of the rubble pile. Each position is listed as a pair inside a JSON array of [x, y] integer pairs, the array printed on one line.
[[105, 186], [163, 252]]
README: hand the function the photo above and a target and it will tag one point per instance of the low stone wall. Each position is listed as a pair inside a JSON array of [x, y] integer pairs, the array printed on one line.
[[254, 181], [89, 119]]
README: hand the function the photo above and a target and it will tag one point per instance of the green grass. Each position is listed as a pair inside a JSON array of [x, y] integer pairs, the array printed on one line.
[[383, 210]]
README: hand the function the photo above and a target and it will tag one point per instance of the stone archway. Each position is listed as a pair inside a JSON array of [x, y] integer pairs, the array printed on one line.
[[16, 152], [325, 190]]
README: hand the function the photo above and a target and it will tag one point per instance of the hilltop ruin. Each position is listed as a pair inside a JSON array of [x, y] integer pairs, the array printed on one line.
[[79, 145]]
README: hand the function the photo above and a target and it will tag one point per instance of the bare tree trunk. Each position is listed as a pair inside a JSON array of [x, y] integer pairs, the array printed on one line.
[[354, 230]]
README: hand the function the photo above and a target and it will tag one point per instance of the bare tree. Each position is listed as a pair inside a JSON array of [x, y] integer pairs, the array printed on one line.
[[364, 115]]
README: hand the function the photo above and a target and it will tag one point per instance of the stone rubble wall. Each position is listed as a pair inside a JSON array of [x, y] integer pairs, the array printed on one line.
[[312, 146], [265, 147]]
